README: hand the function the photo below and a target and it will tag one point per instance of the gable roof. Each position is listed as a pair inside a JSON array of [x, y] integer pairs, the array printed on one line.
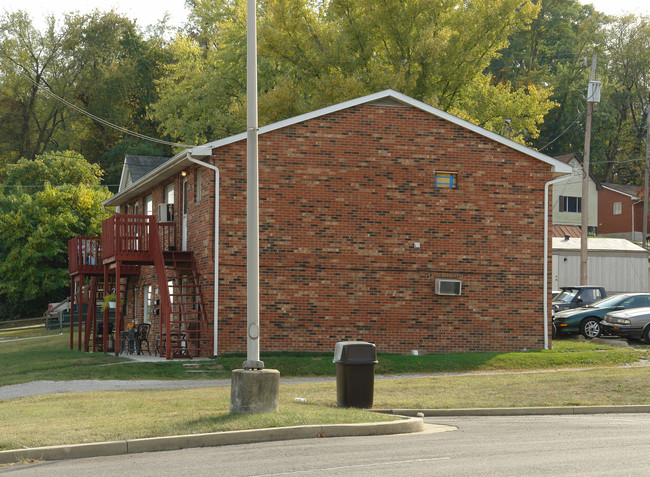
[[136, 167], [181, 160], [567, 158], [630, 190]]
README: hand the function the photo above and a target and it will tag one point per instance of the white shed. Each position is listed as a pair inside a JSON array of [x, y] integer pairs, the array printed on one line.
[[617, 264]]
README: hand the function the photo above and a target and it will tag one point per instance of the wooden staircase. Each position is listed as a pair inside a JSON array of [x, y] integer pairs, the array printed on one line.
[[188, 329]]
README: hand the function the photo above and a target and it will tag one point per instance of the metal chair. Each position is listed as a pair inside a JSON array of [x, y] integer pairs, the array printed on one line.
[[142, 336]]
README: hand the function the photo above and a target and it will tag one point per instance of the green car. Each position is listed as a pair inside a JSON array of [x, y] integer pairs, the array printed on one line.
[[586, 319]]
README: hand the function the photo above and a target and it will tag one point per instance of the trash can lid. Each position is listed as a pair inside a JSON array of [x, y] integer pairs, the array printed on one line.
[[355, 352]]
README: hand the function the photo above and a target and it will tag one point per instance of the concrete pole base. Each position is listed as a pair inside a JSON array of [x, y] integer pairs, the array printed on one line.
[[254, 391]]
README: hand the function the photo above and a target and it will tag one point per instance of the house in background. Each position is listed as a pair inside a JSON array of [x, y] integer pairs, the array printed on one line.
[[382, 219], [620, 212], [567, 196]]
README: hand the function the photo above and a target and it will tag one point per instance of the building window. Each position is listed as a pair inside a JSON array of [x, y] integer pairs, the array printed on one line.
[[147, 303], [148, 205], [169, 194], [618, 208], [446, 180], [570, 204]]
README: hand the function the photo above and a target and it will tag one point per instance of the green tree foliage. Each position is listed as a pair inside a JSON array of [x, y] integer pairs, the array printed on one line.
[[37, 222], [98, 62], [203, 89], [620, 121], [314, 53], [555, 51]]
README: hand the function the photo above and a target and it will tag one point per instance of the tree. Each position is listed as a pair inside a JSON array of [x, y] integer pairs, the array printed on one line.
[[314, 54], [98, 62], [37, 222], [202, 93], [621, 120], [555, 50], [30, 60]]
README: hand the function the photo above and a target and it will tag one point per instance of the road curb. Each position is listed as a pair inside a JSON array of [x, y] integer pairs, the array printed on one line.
[[99, 449], [519, 411]]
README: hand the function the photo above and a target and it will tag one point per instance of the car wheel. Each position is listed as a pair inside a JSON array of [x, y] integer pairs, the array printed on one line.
[[590, 328], [554, 332], [646, 335]]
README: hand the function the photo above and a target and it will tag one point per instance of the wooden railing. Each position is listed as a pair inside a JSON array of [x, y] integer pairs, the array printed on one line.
[[84, 254], [128, 237], [167, 236]]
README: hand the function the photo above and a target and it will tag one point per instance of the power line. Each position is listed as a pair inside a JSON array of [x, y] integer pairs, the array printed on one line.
[[101, 120], [563, 132]]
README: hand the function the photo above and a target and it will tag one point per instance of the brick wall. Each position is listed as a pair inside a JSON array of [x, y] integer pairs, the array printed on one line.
[[343, 199], [609, 223]]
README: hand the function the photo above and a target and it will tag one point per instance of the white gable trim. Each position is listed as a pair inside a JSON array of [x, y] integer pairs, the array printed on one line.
[[634, 197], [180, 160], [558, 166]]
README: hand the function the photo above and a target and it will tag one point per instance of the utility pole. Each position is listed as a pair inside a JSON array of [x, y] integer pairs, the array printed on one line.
[[593, 96], [645, 182], [252, 198], [253, 389]]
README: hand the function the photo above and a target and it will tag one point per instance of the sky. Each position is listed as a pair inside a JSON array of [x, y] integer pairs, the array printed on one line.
[[150, 12]]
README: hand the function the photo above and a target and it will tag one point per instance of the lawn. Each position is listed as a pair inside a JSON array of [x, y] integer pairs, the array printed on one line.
[[49, 357], [609, 376]]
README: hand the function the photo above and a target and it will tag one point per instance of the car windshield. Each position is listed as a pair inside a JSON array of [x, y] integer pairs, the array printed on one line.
[[566, 295], [609, 301]]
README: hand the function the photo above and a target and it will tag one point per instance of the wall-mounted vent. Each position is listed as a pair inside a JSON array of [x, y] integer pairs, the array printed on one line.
[[165, 212], [448, 286]]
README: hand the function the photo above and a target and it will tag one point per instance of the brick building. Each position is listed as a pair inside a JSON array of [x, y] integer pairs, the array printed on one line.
[[620, 212], [381, 219]]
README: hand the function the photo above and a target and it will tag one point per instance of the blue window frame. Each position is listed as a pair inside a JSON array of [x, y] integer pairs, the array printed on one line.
[[446, 180]]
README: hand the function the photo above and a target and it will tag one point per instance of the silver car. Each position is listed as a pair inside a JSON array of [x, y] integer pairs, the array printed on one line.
[[633, 323]]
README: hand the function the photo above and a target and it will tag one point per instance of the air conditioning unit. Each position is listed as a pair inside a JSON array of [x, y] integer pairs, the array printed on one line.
[[165, 212], [448, 286]]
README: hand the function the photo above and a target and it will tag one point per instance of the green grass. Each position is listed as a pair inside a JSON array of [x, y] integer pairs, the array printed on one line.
[[487, 380], [49, 357]]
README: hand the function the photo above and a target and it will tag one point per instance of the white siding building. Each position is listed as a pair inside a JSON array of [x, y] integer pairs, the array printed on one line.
[[616, 264], [567, 197]]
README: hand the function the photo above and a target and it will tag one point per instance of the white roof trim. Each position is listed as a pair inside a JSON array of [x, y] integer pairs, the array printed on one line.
[[622, 193], [558, 166], [179, 160]]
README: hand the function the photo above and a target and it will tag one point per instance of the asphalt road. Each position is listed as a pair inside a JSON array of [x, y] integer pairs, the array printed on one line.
[[574, 445]]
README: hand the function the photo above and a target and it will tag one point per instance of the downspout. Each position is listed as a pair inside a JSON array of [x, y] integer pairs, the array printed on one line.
[[633, 224], [546, 187], [204, 153]]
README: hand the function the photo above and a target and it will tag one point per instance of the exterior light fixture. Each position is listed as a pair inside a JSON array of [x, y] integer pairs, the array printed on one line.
[[184, 173]]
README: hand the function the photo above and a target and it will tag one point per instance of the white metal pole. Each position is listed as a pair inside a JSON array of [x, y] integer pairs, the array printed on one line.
[[252, 198]]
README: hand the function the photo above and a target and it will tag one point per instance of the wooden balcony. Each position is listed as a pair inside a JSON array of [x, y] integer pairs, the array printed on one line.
[[127, 238], [85, 256]]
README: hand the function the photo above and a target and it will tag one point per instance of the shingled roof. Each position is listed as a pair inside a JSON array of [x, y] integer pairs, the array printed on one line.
[[136, 167]]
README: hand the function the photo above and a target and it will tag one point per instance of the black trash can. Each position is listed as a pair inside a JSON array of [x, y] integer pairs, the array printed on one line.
[[355, 373]]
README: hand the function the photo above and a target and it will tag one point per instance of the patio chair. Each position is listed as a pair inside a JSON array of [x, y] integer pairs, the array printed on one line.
[[142, 336]]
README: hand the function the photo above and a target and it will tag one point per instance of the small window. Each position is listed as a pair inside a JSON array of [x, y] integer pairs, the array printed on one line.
[[148, 205], [147, 304], [570, 204], [618, 208], [446, 180]]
